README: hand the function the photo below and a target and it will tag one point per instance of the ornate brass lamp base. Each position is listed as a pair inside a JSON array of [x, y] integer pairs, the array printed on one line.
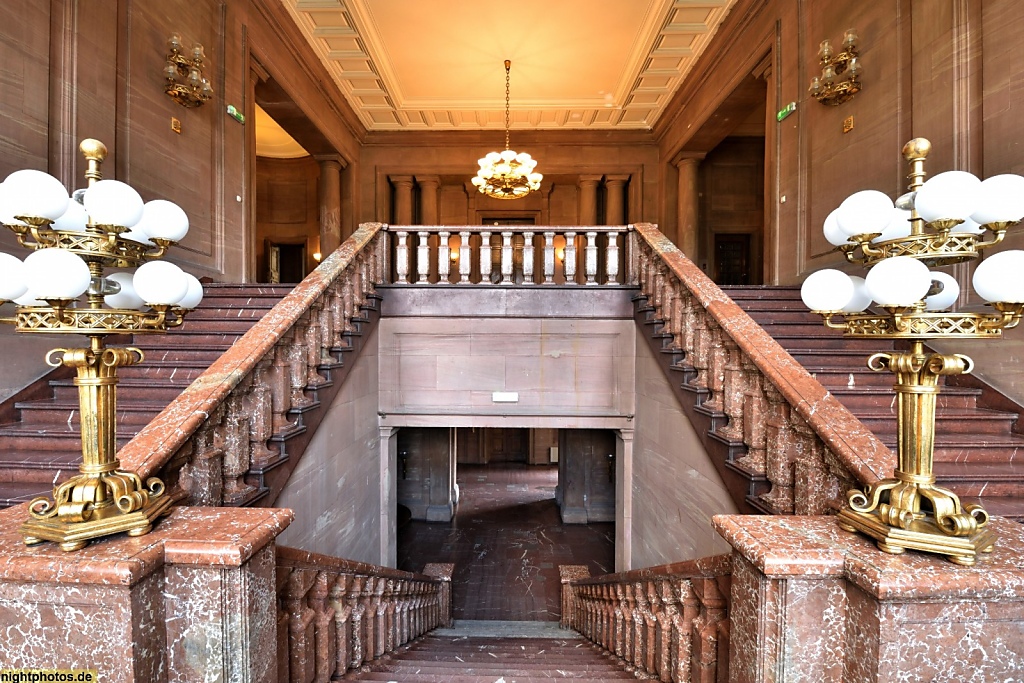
[[921, 534], [74, 535]]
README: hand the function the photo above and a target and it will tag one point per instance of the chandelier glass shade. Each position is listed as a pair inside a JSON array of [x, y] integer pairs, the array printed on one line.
[[507, 174]]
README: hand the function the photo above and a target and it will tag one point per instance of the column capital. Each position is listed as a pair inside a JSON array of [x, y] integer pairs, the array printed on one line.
[[688, 159], [401, 180], [428, 180], [590, 179], [617, 178], [328, 159]]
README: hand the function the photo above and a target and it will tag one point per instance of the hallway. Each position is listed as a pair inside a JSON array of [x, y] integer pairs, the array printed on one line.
[[506, 542]]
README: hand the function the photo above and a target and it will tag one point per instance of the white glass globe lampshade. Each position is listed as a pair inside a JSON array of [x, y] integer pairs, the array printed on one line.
[[29, 299], [111, 202], [160, 283], [827, 290], [969, 226], [508, 155], [74, 219], [56, 274], [897, 227], [949, 195], [127, 298], [137, 235], [947, 297], [861, 298], [999, 277], [833, 234], [12, 277], [864, 212], [492, 157], [35, 194], [535, 178], [194, 295], [898, 281], [6, 212], [1000, 199], [162, 219]]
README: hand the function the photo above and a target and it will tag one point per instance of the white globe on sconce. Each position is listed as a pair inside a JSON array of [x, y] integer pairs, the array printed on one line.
[[1000, 199], [898, 281], [56, 274], [111, 202], [127, 298], [833, 234], [35, 194], [29, 299], [162, 219], [194, 295], [1000, 277], [74, 219], [897, 227], [861, 298], [864, 212], [12, 277], [952, 195], [945, 298], [969, 226], [160, 283], [827, 290]]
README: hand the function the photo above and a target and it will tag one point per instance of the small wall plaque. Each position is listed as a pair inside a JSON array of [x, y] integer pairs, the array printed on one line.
[[176, 125], [505, 397]]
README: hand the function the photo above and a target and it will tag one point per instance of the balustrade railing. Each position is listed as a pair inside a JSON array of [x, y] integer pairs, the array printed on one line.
[[508, 255], [809, 446], [335, 615], [669, 622], [223, 425]]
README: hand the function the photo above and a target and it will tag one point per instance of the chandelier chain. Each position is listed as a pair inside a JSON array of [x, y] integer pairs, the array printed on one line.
[[508, 119]]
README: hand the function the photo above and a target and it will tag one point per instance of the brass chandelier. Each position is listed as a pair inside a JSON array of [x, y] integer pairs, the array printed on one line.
[[507, 175], [950, 219], [62, 288]]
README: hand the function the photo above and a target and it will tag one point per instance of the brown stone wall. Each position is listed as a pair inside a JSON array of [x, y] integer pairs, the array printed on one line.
[[287, 209]]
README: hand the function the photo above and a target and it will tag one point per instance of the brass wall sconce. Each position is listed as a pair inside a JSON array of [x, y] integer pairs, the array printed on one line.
[[825, 88], [186, 83], [950, 219]]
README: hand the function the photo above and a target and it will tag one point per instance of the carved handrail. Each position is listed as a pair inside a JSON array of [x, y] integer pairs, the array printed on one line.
[[219, 427], [669, 622], [802, 438], [335, 615]]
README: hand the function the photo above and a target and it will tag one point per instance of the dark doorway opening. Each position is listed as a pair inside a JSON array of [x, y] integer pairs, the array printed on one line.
[[286, 262], [732, 259]]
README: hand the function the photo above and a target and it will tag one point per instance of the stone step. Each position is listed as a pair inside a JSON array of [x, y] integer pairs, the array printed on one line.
[[861, 396], [54, 411], [982, 479], [40, 467], [16, 493], [128, 390]]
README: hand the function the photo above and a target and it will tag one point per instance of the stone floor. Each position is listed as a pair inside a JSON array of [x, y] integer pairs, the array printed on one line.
[[506, 542]]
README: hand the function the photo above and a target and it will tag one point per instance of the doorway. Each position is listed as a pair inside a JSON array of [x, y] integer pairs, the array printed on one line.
[[285, 262]]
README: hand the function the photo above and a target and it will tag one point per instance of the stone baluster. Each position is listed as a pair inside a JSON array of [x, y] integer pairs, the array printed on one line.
[[682, 653], [297, 368], [651, 638], [632, 257], [444, 258], [325, 627], [402, 257], [641, 614], [814, 489], [665, 640], [369, 620], [528, 251], [380, 621], [611, 263], [549, 258], [261, 419], [708, 629], [202, 475], [590, 258], [619, 644], [506, 257], [423, 256], [570, 258], [658, 292], [325, 318], [234, 438], [465, 258], [734, 390], [357, 609], [486, 262], [343, 316], [314, 346], [361, 275], [755, 409], [701, 348], [613, 613], [716, 366], [402, 613], [342, 624], [674, 316], [780, 452], [301, 627]]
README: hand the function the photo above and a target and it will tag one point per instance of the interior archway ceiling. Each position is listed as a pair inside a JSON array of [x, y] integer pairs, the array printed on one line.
[[273, 141], [603, 64]]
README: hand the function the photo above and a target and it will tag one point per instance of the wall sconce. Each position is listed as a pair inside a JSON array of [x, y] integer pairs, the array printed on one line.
[[560, 254], [186, 83], [825, 88], [317, 256]]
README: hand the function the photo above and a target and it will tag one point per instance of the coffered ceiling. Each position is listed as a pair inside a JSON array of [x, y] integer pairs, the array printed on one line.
[[439, 64]]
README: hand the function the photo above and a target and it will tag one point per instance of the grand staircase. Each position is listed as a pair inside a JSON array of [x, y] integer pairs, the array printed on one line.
[[975, 445], [497, 652], [39, 440]]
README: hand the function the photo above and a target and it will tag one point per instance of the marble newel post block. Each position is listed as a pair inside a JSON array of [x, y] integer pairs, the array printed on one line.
[[811, 602], [194, 600]]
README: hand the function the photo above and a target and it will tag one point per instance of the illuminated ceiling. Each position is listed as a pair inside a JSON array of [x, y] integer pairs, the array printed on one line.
[[438, 64], [273, 141]]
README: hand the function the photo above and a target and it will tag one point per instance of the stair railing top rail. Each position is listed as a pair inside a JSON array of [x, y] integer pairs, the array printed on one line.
[[704, 567], [296, 558], [159, 440], [859, 449]]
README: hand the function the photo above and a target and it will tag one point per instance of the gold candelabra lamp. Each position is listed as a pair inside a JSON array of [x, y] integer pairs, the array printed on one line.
[[62, 287], [949, 219], [186, 83], [826, 88]]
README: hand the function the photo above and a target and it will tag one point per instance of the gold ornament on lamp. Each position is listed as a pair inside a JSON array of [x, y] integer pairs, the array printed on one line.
[[186, 83], [62, 288], [826, 88], [949, 219], [507, 175]]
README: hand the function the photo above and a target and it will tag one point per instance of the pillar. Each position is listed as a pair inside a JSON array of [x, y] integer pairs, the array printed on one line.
[[623, 500], [429, 210], [615, 199], [403, 199], [588, 199], [689, 206], [388, 496], [330, 203]]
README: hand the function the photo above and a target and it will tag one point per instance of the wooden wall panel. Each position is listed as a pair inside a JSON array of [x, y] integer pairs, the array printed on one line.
[[287, 208]]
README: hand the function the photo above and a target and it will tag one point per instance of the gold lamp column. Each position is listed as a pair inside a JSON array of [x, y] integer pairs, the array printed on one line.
[[950, 219], [61, 288]]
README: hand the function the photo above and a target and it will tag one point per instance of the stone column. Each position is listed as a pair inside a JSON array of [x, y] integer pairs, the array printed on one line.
[[403, 199], [330, 203], [615, 199], [689, 198], [623, 500], [588, 199], [429, 210], [388, 496]]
